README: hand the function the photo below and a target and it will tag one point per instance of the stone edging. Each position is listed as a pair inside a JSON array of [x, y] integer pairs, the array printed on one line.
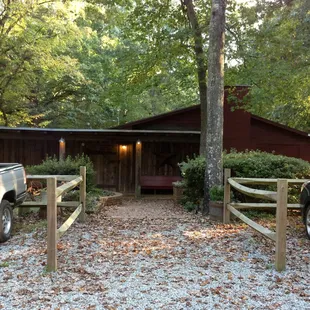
[[111, 200]]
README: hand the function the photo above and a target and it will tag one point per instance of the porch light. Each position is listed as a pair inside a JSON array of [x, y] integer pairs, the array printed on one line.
[[138, 142], [62, 148], [124, 147]]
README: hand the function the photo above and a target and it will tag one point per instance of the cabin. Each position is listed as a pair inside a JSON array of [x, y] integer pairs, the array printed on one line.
[[144, 154]]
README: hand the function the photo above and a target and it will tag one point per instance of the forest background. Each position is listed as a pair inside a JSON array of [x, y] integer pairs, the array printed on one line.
[[100, 63]]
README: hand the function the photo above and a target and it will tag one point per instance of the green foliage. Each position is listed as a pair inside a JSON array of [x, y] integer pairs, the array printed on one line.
[[93, 199], [248, 164], [257, 164], [69, 166], [73, 195], [216, 193], [192, 171], [273, 57], [30, 227], [4, 264], [92, 65], [38, 75], [256, 214], [102, 63], [188, 204]]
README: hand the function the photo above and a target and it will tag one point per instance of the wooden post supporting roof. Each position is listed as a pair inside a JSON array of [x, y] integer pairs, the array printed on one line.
[[62, 149], [138, 169]]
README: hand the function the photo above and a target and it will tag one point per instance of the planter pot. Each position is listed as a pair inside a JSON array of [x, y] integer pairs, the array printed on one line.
[[216, 211], [177, 193]]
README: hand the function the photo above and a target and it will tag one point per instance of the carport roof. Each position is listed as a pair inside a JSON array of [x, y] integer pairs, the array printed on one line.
[[63, 130], [115, 135]]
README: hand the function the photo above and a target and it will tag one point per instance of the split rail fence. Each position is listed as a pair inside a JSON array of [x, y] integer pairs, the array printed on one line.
[[281, 205], [53, 194]]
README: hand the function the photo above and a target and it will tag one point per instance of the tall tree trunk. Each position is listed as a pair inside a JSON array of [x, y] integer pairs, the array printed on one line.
[[201, 70], [215, 101]]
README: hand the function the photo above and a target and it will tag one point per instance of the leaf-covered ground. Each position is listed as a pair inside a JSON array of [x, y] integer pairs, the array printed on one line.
[[153, 255]]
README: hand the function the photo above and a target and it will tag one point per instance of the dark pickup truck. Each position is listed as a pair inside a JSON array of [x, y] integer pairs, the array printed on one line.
[[305, 206]]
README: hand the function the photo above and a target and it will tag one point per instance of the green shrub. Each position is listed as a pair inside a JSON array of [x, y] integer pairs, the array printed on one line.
[[259, 214], [188, 205], [217, 193], [248, 164], [93, 198], [73, 195], [193, 171], [69, 166], [257, 164]]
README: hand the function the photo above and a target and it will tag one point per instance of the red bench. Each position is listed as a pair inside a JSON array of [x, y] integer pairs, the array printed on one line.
[[158, 181]]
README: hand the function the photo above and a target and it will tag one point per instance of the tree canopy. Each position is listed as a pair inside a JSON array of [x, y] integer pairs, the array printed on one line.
[[99, 63], [274, 58]]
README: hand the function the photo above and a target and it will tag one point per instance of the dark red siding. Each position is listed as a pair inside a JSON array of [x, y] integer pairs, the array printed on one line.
[[268, 137], [242, 130], [175, 121]]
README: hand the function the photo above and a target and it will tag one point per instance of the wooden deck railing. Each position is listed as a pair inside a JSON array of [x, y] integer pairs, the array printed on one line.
[[53, 192], [281, 205]]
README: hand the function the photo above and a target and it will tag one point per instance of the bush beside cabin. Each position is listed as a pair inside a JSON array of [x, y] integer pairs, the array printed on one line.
[[248, 164]]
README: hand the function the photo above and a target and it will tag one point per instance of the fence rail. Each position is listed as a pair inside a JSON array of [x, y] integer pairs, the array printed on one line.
[[241, 205], [262, 181], [53, 192], [265, 231], [61, 178], [68, 186], [256, 193], [281, 205]]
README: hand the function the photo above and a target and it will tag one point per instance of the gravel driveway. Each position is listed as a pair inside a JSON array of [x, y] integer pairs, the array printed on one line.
[[153, 255]]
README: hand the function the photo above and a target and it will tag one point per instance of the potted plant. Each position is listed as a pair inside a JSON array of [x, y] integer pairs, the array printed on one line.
[[216, 203], [178, 188]]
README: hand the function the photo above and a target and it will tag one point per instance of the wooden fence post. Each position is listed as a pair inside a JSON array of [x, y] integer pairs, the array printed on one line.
[[82, 216], [281, 224], [226, 212], [138, 169], [51, 225]]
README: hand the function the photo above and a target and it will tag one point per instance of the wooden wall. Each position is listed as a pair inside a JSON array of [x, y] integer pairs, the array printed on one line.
[[237, 129], [162, 158], [26, 151], [175, 122], [113, 163], [265, 136], [104, 156], [126, 182]]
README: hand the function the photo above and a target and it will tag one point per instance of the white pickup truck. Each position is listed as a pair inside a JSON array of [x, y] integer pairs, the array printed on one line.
[[12, 193]]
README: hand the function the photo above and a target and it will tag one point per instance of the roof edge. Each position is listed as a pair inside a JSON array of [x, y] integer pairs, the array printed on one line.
[[63, 130], [267, 121], [155, 117], [174, 112]]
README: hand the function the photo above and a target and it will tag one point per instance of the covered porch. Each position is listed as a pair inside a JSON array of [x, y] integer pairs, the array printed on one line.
[[121, 157]]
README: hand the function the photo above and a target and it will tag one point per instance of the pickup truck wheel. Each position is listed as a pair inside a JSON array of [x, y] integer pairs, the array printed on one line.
[[6, 220], [307, 221]]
